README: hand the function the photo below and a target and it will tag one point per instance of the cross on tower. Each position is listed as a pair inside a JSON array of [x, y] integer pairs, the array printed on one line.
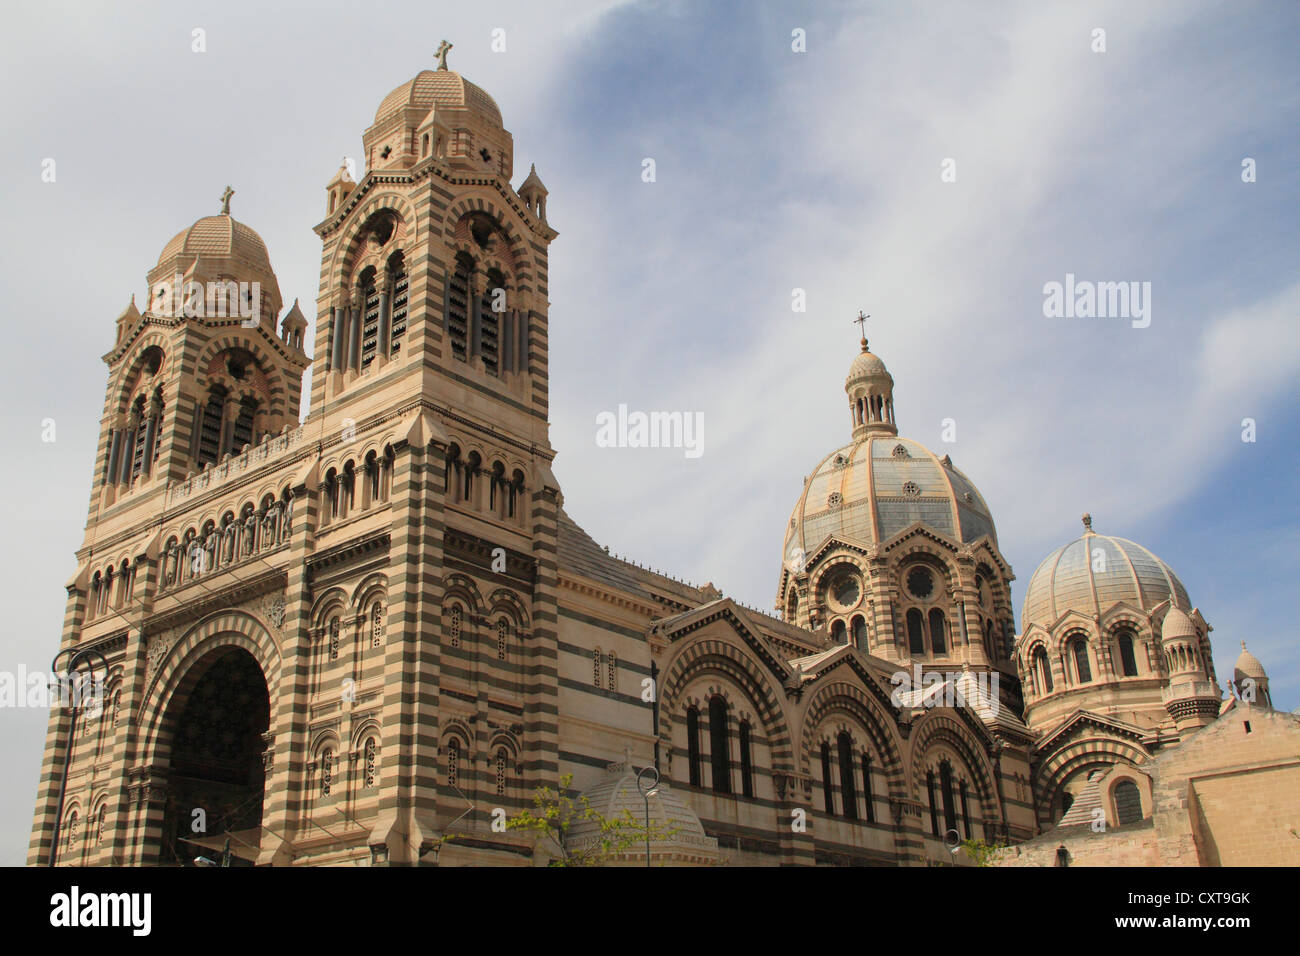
[[861, 323], [225, 201]]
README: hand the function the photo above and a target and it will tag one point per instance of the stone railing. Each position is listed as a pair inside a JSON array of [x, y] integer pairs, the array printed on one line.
[[232, 465]]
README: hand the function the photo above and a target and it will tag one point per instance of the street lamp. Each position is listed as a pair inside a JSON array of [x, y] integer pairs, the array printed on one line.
[[647, 781], [74, 662]]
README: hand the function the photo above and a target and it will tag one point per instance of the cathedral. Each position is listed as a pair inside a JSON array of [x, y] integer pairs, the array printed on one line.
[[355, 638]]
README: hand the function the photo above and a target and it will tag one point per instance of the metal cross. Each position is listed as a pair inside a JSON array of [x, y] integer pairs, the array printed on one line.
[[441, 53], [861, 322]]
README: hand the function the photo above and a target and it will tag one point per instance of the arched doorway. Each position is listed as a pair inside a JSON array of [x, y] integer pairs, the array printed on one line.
[[216, 752]]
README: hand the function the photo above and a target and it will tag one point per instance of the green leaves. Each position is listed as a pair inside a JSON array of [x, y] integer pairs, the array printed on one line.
[[555, 815]]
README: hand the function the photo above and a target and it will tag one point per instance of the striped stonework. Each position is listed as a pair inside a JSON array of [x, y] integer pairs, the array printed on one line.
[[437, 637]]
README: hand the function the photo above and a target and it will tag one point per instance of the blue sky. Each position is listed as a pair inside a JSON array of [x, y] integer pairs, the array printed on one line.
[[774, 171]]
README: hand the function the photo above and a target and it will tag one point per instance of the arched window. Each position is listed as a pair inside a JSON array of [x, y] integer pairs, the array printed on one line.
[[335, 627], [101, 824], [458, 308], [453, 762], [612, 667], [938, 631], [453, 625], [243, 430], [828, 794], [1043, 670], [839, 635], [513, 492], [693, 744], [369, 316], [965, 810], [746, 761], [1128, 662], [372, 485], [860, 633], [469, 473], [386, 477], [1128, 802], [949, 804], [491, 305], [209, 448], [377, 624], [848, 788], [74, 819], [1079, 647], [915, 632], [347, 490], [326, 771], [141, 433], [371, 751], [496, 484], [397, 299], [501, 771], [934, 802], [332, 494], [595, 667], [866, 787], [503, 638], [719, 751]]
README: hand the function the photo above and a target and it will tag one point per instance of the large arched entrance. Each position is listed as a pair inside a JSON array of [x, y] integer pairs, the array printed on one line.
[[216, 763]]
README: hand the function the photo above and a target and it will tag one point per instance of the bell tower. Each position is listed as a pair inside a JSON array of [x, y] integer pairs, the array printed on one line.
[[203, 372]]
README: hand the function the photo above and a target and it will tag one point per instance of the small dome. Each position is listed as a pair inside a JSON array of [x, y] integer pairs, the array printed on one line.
[[1094, 573], [439, 89], [1248, 666], [618, 795], [866, 365], [1177, 624], [879, 485], [218, 237]]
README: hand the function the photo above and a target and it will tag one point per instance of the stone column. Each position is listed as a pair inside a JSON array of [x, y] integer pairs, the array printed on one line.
[[336, 340], [354, 337], [115, 447], [150, 436], [475, 317], [384, 342]]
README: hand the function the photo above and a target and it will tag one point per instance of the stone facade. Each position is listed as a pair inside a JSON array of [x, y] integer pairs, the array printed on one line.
[[339, 642], [1226, 797]]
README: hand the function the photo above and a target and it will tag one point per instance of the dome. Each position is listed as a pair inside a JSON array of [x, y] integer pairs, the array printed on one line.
[[866, 365], [680, 837], [441, 89], [1177, 624], [872, 489], [1069, 579], [1248, 666], [218, 237]]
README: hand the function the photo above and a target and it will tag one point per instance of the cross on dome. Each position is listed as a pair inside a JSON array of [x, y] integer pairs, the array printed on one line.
[[441, 53], [861, 323]]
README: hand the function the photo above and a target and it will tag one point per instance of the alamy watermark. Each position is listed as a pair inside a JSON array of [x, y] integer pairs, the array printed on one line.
[[1082, 299], [223, 299], [626, 429], [953, 689]]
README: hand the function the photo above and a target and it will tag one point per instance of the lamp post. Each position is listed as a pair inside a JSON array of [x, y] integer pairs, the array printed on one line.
[[74, 661], [647, 781]]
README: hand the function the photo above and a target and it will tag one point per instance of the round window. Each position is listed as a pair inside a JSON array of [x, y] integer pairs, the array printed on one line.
[[920, 582], [844, 589]]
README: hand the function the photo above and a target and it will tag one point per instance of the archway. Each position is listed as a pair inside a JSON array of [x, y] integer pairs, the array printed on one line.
[[217, 742]]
